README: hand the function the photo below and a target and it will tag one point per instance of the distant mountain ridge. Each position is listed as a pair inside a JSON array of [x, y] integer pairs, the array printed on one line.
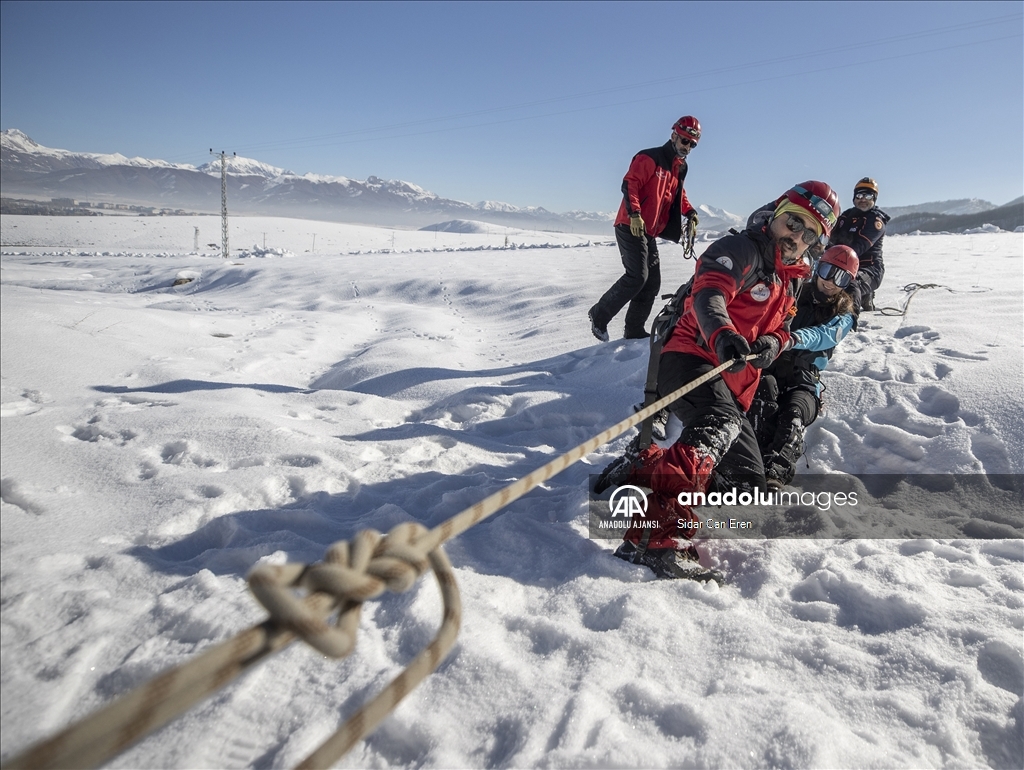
[[942, 208], [28, 168], [1008, 217], [21, 153]]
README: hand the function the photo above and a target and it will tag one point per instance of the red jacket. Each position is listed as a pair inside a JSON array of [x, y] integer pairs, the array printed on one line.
[[654, 187], [726, 294]]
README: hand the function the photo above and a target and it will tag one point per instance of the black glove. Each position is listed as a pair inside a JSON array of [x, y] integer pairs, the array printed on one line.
[[767, 348], [730, 345]]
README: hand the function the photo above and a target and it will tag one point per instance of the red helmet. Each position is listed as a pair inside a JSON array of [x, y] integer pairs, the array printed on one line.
[[818, 199], [688, 127], [842, 257]]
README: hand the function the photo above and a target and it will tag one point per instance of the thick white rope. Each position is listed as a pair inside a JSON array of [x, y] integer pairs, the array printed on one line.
[[351, 573]]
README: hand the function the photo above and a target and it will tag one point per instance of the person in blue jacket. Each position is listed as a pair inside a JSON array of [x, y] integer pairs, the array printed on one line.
[[789, 396]]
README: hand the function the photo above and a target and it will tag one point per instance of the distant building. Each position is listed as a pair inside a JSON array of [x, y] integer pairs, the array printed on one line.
[[63, 202]]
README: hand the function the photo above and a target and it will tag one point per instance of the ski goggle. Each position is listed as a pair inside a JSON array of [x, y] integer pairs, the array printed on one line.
[[685, 141], [820, 205], [807, 234], [828, 272], [863, 195]]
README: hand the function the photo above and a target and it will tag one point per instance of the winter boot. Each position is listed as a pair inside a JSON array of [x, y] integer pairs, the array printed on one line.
[[780, 463], [778, 471], [669, 563], [636, 334], [599, 330], [618, 470], [659, 423]]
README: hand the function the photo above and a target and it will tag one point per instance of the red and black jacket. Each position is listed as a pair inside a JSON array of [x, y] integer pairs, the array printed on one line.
[[653, 185], [740, 283]]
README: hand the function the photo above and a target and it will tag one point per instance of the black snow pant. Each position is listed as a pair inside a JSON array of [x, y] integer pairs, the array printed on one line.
[[713, 422], [779, 420], [638, 286]]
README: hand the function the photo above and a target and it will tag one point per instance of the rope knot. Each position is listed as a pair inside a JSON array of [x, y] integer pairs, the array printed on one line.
[[351, 573]]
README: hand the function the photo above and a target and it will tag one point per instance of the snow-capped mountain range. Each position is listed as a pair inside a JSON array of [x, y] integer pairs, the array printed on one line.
[[28, 168], [22, 154]]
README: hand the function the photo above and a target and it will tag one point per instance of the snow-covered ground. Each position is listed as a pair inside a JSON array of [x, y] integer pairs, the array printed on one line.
[[160, 440]]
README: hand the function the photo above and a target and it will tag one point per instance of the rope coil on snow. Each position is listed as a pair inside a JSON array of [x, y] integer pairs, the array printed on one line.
[[913, 288], [351, 573]]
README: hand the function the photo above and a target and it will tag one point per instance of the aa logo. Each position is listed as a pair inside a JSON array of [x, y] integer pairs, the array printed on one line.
[[628, 500]]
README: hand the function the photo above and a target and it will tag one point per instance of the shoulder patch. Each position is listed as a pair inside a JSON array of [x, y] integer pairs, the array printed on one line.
[[725, 262], [878, 224]]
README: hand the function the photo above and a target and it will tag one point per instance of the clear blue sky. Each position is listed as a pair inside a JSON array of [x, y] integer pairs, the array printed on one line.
[[539, 103]]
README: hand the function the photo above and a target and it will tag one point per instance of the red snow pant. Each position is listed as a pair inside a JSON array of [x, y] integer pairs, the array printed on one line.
[[681, 468], [716, 438]]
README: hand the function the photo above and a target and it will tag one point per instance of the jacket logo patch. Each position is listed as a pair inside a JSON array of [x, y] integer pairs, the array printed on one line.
[[878, 224], [725, 262], [760, 292]]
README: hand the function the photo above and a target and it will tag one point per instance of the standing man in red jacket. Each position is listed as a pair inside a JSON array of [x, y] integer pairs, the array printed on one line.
[[741, 302], [653, 206]]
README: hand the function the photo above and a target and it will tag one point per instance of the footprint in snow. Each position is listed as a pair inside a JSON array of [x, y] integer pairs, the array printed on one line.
[[856, 605], [920, 332], [181, 453], [12, 494], [94, 432]]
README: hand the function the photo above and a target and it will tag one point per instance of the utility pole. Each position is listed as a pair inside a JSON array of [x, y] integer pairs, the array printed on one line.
[[225, 252], [195, 242]]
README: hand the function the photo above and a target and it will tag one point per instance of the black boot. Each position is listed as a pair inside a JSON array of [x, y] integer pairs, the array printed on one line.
[[618, 470], [780, 463], [598, 329]]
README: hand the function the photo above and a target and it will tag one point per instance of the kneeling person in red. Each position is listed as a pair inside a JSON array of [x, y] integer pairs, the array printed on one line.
[[740, 304]]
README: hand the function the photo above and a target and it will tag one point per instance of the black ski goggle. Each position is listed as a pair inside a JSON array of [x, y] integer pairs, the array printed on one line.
[[828, 272]]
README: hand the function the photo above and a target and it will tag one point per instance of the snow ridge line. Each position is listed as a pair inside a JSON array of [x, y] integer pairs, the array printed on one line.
[[349, 575]]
